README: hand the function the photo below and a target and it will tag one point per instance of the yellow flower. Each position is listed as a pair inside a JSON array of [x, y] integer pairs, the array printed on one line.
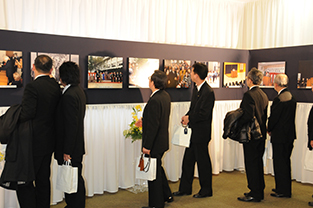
[[138, 107], [133, 113], [135, 117], [1, 156]]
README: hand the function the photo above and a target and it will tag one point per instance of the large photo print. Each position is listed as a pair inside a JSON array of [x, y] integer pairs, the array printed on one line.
[[11, 69]]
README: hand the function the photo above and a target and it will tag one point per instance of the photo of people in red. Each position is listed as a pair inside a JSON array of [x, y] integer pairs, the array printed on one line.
[[178, 73]]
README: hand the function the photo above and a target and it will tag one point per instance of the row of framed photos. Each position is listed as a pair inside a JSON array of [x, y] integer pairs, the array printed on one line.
[[107, 72]]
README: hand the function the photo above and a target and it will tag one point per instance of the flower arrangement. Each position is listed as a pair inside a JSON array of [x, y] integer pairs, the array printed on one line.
[[135, 131], [1, 156]]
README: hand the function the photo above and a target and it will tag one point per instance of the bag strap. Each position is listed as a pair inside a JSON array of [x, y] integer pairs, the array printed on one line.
[[147, 167]]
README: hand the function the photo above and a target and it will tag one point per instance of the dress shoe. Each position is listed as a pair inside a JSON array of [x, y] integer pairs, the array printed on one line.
[[178, 193], [169, 199], [274, 190], [280, 195], [248, 199], [148, 207], [311, 204], [201, 195], [248, 194]]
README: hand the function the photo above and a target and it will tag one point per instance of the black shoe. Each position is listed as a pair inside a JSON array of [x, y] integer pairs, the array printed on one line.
[[148, 207], [246, 194], [178, 193], [248, 199], [280, 195], [311, 204], [201, 195], [169, 199], [274, 190]]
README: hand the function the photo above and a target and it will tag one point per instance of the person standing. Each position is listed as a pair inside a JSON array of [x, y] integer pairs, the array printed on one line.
[[155, 141], [39, 103], [310, 134], [282, 129], [70, 128], [254, 104], [199, 119]]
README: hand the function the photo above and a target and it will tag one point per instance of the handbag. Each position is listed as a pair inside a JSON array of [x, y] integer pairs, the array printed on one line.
[[67, 178], [182, 136], [146, 168], [308, 160]]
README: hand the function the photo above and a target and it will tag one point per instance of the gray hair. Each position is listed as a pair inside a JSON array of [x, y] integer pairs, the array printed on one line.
[[281, 80], [255, 75]]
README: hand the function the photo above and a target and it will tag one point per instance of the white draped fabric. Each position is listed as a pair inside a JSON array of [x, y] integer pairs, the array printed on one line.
[[214, 23], [110, 158]]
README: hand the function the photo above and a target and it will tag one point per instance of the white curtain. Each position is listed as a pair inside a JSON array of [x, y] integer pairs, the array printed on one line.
[[110, 158], [214, 23]]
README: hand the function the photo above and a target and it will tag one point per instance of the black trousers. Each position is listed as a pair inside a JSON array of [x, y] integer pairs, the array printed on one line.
[[159, 190], [282, 169], [78, 199], [37, 194], [196, 153], [253, 157]]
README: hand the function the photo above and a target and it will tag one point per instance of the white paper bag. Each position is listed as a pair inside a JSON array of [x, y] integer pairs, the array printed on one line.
[[181, 136], [149, 172], [308, 160], [67, 178]]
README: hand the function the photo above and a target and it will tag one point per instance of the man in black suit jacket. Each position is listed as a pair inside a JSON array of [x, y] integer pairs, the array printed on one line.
[[310, 134], [254, 103], [39, 105], [199, 119], [155, 123], [282, 128], [70, 128]]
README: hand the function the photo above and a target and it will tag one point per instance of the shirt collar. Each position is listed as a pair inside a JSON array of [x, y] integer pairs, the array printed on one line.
[[41, 75], [281, 90], [199, 87], [65, 88], [253, 87], [154, 92]]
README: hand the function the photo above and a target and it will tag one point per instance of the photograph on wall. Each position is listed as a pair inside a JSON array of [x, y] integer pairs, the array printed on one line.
[[178, 73], [270, 70], [105, 72], [305, 74], [139, 70], [11, 69], [58, 60], [213, 78], [234, 74]]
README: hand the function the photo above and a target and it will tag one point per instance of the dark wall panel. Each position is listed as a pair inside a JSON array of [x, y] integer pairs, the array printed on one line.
[[32, 42], [292, 56]]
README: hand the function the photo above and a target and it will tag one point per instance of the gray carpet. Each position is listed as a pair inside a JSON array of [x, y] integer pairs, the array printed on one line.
[[227, 186]]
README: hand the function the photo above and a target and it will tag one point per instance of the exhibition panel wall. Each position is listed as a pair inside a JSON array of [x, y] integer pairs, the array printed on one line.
[[31, 42]]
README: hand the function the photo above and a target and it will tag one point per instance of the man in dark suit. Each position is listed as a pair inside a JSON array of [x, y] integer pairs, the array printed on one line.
[[254, 103], [155, 123], [199, 119], [282, 128], [70, 128], [310, 135], [39, 105]]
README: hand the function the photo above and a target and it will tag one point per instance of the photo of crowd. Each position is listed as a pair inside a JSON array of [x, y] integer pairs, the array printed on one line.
[[213, 78], [178, 73], [11, 69], [105, 72], [270, 70], [234, 74], [140, 69], [305, 74], [57, 59]]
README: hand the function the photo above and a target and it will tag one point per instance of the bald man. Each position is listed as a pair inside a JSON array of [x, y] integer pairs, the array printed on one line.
[[281, 128]]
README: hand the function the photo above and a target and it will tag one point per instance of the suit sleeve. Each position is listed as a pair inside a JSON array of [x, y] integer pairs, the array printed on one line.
[[70, 115], [248, 106], [276, 112], [29, 103], [205, 108], [152, 123]]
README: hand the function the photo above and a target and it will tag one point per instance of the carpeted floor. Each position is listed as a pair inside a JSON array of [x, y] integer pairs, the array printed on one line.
[[227, 186]]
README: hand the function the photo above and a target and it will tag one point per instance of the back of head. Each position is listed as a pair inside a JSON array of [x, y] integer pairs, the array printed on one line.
[[255, 75], [200, 69], [43, 63], [159, 79], [70, 73], [281, 80]]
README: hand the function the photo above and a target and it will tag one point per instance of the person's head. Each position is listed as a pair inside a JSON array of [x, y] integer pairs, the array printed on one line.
[[69, 73], [254, 77], [16, 76], [43, 64], [200, 70], [280, 82], [158, 79]]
